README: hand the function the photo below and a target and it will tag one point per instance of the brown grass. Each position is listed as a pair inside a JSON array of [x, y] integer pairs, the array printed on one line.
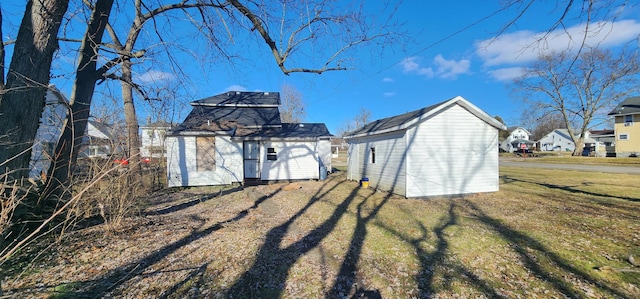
[[545, 234]]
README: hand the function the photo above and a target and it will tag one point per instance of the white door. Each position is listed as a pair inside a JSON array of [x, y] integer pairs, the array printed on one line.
[[251, 159]]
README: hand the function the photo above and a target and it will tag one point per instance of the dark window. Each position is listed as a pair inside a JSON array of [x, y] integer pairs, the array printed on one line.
[[271, 154], [271, 150], [373, 155]]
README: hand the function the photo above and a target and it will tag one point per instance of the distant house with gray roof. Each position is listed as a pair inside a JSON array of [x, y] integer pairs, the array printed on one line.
[[239, 137], [448, 148]]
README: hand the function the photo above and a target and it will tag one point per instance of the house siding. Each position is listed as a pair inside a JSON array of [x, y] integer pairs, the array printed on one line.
[[183, 172], [631, 145], [388, 171], [47, 135], [295, 160], [453, 152], [324, 152], [556, 142]]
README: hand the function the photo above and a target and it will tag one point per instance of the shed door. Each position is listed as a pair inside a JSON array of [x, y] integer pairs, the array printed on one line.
[[251, 159]]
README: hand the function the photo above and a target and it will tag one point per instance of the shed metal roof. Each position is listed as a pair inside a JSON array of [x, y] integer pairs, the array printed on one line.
[[403, 121]]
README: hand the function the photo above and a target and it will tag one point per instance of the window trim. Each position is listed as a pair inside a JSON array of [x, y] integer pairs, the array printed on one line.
[[626, 136]]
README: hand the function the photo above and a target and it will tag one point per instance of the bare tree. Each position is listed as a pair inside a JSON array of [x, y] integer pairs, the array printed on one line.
[[502, 134], [87, 73], [543, 124], [580, 89], [362, 118], [22, 98], [292, 106]]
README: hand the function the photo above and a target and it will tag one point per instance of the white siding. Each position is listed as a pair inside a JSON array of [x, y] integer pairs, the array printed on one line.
[[295, 160], [324, 152], [181, 163], [353, 162], [453, 152], [388, 171], [47, 135]]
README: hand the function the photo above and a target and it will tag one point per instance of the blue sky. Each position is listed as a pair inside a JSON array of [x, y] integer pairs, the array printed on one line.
[[452, 52]]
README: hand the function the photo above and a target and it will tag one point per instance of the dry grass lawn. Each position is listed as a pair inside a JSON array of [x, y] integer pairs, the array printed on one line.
[[545, 234]]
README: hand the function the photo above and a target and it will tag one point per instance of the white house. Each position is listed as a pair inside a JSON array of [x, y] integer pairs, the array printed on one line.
[[518, 137], [53, 115], [238, 137], [152, 138], [98, 140], [445, 149], [557, 140]]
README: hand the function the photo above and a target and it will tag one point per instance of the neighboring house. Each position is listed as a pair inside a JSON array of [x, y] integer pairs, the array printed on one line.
[[445, 149], [518, 137], [53, 115], [100, 141], [152, 138], [238, 137], [557, 140], [627, 127], [604, 143]]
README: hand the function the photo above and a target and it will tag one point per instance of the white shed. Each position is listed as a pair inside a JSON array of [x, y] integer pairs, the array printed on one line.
[[238, 137], [448, 148]]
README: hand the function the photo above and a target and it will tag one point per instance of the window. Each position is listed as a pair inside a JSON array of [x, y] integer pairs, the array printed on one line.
[[372, 155], [205, 154], [628, 118], [623, 137], [271, 154]]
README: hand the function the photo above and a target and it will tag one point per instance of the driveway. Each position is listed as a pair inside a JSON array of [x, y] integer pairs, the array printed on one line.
[[578, 167]]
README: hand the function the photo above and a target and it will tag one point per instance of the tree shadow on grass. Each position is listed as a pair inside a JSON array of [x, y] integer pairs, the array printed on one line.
[[572, 189], [431, 261], [117, 277], [267, 276], [532, 252], [192, 202]]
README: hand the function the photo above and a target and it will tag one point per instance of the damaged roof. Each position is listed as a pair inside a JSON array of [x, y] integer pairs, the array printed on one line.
[[241, 99], [286, 131]]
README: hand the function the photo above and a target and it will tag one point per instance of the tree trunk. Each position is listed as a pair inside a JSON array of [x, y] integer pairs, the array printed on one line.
[[1, 66], [579, 146], [133, 144], [27, 81], [75, 124]]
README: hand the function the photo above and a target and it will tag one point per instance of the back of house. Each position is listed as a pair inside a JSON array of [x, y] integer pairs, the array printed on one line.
[[239, 137]]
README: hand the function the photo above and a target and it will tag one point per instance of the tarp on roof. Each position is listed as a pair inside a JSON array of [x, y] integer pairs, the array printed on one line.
[[241, 98], [287, 131], [223, 117]]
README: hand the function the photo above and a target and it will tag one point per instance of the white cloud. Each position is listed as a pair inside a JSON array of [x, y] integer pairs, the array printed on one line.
[[507, 74], [235, 88], [389, 94], [525, 46], [448, 69], [410, 65], [155, 76], [388, 80]]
